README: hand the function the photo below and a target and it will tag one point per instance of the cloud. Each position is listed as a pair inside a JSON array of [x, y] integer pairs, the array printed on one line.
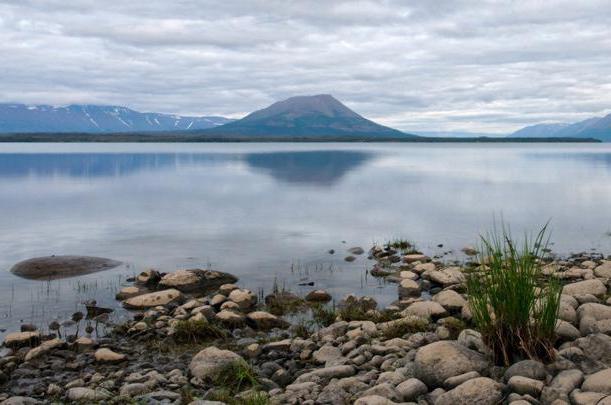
[[418, 65]]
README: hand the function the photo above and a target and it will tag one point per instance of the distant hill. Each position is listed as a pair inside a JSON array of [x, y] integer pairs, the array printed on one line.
[[20, 118], [306, 116], [457, 134], [597, 127]]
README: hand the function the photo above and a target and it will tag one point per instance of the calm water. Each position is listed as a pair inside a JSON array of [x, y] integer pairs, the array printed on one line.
[[270, 212]]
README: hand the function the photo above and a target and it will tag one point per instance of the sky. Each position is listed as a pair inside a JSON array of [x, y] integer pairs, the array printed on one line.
[[480, 66]]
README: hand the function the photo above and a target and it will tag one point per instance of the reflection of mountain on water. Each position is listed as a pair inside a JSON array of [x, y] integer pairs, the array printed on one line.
[[315, 167], [309, 167]]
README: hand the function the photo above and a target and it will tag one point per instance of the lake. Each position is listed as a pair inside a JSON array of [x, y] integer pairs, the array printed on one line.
[[269, 213]]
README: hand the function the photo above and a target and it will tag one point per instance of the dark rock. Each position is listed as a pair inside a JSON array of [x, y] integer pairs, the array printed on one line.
[[55, 267]]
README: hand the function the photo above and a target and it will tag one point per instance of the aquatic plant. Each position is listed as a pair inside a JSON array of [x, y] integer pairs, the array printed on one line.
[[513, 304]]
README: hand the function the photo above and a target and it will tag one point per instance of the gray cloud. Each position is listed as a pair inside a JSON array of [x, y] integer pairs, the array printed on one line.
[[417, 65]]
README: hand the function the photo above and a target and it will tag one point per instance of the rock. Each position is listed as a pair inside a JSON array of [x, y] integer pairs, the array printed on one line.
[[20, 401], [196, 280], [436, 362], [210, 361], [149, 278], [416, 257], [384, 390], [525, 386], [597, 347], [423, 267], [598, 382], [408, 288], [373, 400], [44, 348], [425, 309], [86, 394], [265, 321], [469, 251], [350, 258], [450, 300], [356, 250], [128, 292], [153, 299], [159, 396], [445, 277], [108, 356], [244, 298], [454, 382], [567, 380], [230, 318], [318, 296], [334, 372], [411, 389], [326, 353], [21, 339], [481, 391], [579, 397], [131, 390], [472, 339], [526, 368], [594, 287], [566, 310], [55, 267], [604, 270], [589, 315], [566, 331]]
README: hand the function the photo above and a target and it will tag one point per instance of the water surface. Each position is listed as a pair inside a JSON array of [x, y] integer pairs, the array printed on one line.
[[270, 212]]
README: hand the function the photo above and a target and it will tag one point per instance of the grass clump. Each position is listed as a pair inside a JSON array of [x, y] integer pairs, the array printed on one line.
[[513, 304], [191, 331], [323, 315], [402, 245], [249, 398], [236, 377], [405, 326]]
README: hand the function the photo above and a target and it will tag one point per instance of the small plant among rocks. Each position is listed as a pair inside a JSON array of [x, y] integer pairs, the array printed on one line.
[[513, 304], [190, 331]]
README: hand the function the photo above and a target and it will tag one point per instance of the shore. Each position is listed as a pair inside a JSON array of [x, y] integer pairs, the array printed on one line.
[[197, 336]]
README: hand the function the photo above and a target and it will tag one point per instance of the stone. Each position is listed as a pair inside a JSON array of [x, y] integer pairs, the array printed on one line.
[[129, 292], [526, 368], [373, 400], [590, 314], [133, 389], [20, 401], [578, 397], [411, 389], [454, 382], [472, 339], [230, 318], [604, 270], [594, 287], [244, 298], [196, 280], [153, 299], [208, 362], [318, 296], [445, 277], [425, 309], [566, 331], [56, 267], [567, 380], [408, 288], [525, 386], [326, 353], [450, 300], [265, 321], [598, 382], [21, 339], [86, 394], [422, 267], [438, 361], [385, 390], [597, 347], [226, 289], [356, 250], [105, 355], [566, 311], [44, 348], [481, 391], [416, 257]]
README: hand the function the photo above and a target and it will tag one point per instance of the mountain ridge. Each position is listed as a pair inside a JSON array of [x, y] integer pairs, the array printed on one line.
[[595, 127], [91, 118]]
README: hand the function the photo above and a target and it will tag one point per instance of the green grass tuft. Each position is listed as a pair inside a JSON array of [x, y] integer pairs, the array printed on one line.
[[190, 331], [514, 306]]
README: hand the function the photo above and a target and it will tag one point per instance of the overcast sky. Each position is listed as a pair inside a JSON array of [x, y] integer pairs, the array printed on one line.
[[414, 65]]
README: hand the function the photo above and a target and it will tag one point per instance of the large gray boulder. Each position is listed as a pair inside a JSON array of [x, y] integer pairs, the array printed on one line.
[[55, 267], [436, 362], [153, 299], [598, 382], [196, 280], [481, 391], [593, 286]]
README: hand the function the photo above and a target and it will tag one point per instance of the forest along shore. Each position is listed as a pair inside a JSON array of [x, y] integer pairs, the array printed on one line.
[[196, 337]]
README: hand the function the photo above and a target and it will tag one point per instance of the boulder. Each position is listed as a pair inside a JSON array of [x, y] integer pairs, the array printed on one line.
[[593, 286], [153, 299], [129, 292], [598, 382], [196, 280], [604, 270], [438, 361], [56, 267], [425, 309], [415, 257], [450, 300], [590, 314], [318, 296], [44, 348], [244, 298], [230, 318], [326, 353], [86, 395], [525, 386], [411, 389], [265, 321], [445, 277], [20, 401], [373, 400], [209, 362], [105, 355], [526, 368], [481, 391], [21, 339], [408, 288]]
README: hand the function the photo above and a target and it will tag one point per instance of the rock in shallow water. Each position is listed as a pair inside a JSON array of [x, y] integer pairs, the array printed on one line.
[[196, 280], [54, 267]]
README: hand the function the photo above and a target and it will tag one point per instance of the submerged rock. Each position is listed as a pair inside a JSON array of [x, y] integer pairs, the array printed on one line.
[[55, 267]]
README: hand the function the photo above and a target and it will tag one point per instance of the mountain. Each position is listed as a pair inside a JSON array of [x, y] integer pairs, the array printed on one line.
[[306, 116], [20, 118], [456, 134], [597, 127]]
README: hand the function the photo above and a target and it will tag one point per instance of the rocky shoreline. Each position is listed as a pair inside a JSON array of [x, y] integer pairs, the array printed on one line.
[[198, 338]]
